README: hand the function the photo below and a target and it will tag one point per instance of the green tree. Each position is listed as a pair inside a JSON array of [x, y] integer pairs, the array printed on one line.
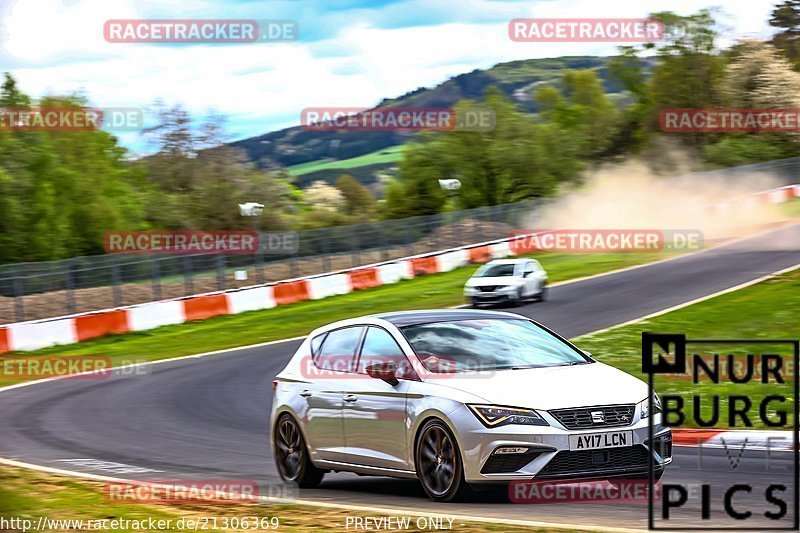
[[61, 190], [518, 159], [584, 110], [358, 201], [416, 189], [757, 77], [630, 70], [199, 180], [786, 16]]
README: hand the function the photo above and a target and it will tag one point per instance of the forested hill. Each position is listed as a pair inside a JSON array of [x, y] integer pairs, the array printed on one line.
[[517, 79]]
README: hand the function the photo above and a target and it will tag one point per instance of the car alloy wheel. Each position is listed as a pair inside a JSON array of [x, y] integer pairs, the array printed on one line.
[[439, 463], [543, 293], [291, 456]]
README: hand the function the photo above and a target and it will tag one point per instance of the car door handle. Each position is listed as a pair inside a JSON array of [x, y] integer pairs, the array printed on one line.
[[350, 397], [305, 393]]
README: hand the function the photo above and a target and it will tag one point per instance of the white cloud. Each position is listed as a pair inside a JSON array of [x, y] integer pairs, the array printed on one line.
[[58, 47]]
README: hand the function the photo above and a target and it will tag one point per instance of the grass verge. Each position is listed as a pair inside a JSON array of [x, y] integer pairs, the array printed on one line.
[[767, 310], [791, 208], [29, 495]]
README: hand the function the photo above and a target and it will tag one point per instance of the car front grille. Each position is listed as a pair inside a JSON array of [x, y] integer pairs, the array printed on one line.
[[583, 418], [487, 288], [589, 462]]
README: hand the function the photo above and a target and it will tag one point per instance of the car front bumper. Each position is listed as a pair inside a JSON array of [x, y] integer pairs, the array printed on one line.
[[547, 452], [488, 298]]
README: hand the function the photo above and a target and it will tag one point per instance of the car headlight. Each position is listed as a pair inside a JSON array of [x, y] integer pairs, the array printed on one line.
[[492, 416], [505, 288], [643, 407], [467, 288]]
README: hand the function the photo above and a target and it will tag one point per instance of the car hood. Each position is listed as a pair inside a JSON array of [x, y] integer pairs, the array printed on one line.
[[494, 280], [550, 388]]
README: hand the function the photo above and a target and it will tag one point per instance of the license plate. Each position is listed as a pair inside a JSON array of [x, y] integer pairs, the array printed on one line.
[[595, 441]]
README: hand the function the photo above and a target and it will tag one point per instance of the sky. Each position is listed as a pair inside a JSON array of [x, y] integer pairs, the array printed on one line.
[[350, 53]]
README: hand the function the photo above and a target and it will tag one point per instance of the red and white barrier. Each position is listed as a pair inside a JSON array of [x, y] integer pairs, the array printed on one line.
[[775, 196], [733, 439], [252, 299], [34, 335], [500, 249], [394, 272], [364, 278], [331, 285], [154, 315], [452, 260]]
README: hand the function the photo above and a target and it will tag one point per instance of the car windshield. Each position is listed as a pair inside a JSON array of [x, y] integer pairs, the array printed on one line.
[[499, 344], [490, 271]]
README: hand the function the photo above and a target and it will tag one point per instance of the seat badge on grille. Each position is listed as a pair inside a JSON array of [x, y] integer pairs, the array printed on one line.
[[598, 417]]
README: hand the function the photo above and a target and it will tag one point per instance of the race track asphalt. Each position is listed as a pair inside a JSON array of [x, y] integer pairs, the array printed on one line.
[[206, 418]]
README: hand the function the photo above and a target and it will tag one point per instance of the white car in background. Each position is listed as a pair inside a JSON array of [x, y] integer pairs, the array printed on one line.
[[510, 281]]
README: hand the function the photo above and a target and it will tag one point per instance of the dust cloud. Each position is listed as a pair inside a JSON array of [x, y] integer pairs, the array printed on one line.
[[632, 196]]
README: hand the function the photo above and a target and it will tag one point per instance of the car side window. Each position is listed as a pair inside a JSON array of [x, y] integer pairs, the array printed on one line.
[[380, 347], [316, 342], [338, 349], [529, 268]]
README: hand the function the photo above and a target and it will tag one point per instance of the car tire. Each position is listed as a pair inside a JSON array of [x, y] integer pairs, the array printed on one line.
[[543, 294], [518, 299], [438, 463], [291, 455]]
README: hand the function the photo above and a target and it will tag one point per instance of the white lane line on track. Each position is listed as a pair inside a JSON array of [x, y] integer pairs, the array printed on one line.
[[695, 301], [330, 505], [157, 362]]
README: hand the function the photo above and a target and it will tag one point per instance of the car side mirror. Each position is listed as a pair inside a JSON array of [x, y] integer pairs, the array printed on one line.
[[526, 274], [385, 371]]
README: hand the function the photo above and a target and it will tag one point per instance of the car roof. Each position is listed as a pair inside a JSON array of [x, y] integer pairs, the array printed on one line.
[[427, 316], [508, 261]]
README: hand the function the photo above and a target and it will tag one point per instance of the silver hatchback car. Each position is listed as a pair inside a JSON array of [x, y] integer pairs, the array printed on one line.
[[455, 398]]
